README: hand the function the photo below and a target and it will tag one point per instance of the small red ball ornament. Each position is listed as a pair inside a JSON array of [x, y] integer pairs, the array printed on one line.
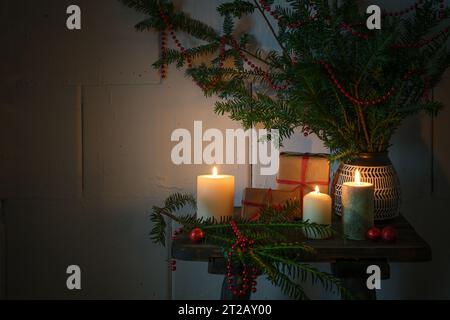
[[374, 234], [197, 235], [389, 234]]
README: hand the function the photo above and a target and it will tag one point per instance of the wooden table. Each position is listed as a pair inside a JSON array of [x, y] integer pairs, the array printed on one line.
[[349, 259]]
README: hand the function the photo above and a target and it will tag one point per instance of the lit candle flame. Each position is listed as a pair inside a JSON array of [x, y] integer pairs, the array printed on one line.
[[358, 177], [214, 172], [317, 189]]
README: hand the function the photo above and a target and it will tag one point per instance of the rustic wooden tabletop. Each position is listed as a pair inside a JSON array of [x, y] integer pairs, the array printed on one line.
[[409, 247], [349, 258]]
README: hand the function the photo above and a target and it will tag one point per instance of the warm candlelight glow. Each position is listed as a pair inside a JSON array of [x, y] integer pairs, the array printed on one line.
[[215, 195], [357, 177], [317, 209]]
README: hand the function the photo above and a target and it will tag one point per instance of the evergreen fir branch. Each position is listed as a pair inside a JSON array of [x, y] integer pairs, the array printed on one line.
[[297, 250], [158, 232], [367, 67], [178, 201], [174, 56], [271, 28], [279, 279], [279, 260], [303, 271], [179, 20], [193, 27], [149, 24], [236, 8], [150, 8]]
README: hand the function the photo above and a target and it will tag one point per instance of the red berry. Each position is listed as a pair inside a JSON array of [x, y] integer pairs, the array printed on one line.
[[373, 234], [389, 234], [253, 289], [197, 235]]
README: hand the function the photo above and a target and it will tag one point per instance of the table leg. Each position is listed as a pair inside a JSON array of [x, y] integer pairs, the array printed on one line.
[[354, 277]]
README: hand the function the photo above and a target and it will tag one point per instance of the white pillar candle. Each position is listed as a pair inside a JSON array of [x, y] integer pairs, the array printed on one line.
[[357, 208], [317, 209], [215, 195]]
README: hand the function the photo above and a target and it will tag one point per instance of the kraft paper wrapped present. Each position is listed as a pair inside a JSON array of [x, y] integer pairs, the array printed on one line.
[[255, 199], [302, 172]]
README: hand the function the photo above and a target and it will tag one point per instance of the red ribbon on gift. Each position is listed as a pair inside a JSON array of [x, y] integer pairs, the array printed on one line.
[[257, 215], [300, 185]]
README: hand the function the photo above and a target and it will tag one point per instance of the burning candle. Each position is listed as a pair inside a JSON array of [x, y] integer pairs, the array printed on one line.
[[215, 195], [358, 208], [316, 209]]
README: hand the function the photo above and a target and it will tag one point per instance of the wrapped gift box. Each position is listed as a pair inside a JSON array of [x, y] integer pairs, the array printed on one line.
[[255, 199], [302, 172]]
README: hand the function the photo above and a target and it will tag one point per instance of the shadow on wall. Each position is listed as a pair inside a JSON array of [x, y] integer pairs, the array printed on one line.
[[425, 191]]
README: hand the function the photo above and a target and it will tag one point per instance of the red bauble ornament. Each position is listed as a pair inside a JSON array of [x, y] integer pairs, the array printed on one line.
[[197, 235], [389, 234], [373, 234]]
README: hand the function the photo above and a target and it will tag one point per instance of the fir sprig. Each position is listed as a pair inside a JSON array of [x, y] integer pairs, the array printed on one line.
[[272, 253]]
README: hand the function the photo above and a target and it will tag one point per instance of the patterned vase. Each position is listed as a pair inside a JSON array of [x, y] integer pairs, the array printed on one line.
[[375, 168]]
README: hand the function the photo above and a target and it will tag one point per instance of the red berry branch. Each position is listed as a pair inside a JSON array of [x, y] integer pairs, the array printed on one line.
[[423, 42], [234, 44], [173, 262], [163, 70], [416, 45], [243, 244], [186, 57], [256, 68], [174, 37], [414, 7], [265, 74], [400, 13], [267, 8], [173, 265], [349, 29], [377, 101]]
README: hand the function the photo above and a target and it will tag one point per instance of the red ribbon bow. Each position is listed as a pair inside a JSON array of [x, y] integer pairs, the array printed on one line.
[[300, 185]]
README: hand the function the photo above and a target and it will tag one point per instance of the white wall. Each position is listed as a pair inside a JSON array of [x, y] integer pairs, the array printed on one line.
[[85, 153]]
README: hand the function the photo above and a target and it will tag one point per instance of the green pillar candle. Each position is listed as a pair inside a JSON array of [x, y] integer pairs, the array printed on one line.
[[358, 208]]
